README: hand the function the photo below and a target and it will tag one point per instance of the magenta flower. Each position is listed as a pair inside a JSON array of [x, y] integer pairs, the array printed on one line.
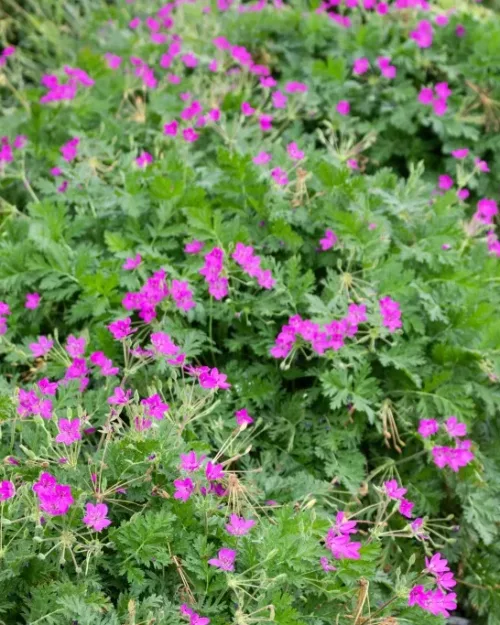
[[171, 128], [328, 241], [486, 210], [423, 34], [481, 165], [428, 427], [445, 182], [343, 107], [460, 153], [342, 525], [238, 526], [194, 247], [75, 346], [32, 300], [247, 109], [242, 417], [132, 263], [436, 564], [69, 150], [121, 328], [42, 347], [55, 499], [155, 407], [119, 397], [95, 516], [212, 378], [190, 135], [7, 490], [279, 100], [214, 472], [69, 431], [405, 507], [113, 61], [163, 344], [266, 122], [454, 428], [393, 490], [391, 314], [190, 461], [325, 565], [361, 66], [183, 489], [387, 70], [224, 560], [279, 176], [144, 159], [293, 152], [47, 387], [182, 295], [342, 547], [426, 95]]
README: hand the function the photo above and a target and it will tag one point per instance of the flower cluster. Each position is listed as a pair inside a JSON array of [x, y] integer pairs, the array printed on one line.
[[338, 539], [58, 91], [212, 271], [436, 601], [436, 97], [329, 336], [7, 148], [55, 499], [391, 314], [244, 256], [213, 473], [396, 492], [151, 294], [453, 457]]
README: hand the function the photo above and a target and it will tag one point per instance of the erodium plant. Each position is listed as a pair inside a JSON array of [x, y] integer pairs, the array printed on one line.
[[249, 269]]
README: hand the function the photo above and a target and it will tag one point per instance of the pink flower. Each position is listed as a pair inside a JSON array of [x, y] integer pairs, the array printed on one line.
[[295, 87], [342, 547], [417, 596], [427, 427], [69, 150], [265, 122], [55, 499], [445, 182], [325, 565], [211, 378], [393, 490], [486, 210], [134, 23], [481, 165], [461, 153], [32, 301], [163, 344], [214, 472], [194, 247], [343, 107], [119, 397], [121, 328], [75, 347], [426, 95], [113, 61], [387, 70], [328, 241], [406, 507], [352, 163], [436, 564], [463, 194], [391, 314], [440, 106], [95, 516], [423, 34], [246, 109], [454, 428], [171, 128], [460, 30], [224, 560], [262, 158], [242, 417], [7, 490], [184, 489], [293, 152], [190, 461], [132, 263], [238, 526], [42, 347], [279, 176], [279, 100], [144, 159], [361, 66], [155, 407], [190, 135], [46, 387], [182, 295], [69, 431], [343, 525]]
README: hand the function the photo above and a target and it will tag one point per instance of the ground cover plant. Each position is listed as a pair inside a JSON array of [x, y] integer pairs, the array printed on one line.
[[249, 336]]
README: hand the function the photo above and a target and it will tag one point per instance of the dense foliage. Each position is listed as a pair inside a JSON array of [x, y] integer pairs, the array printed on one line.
[[249, 312]]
